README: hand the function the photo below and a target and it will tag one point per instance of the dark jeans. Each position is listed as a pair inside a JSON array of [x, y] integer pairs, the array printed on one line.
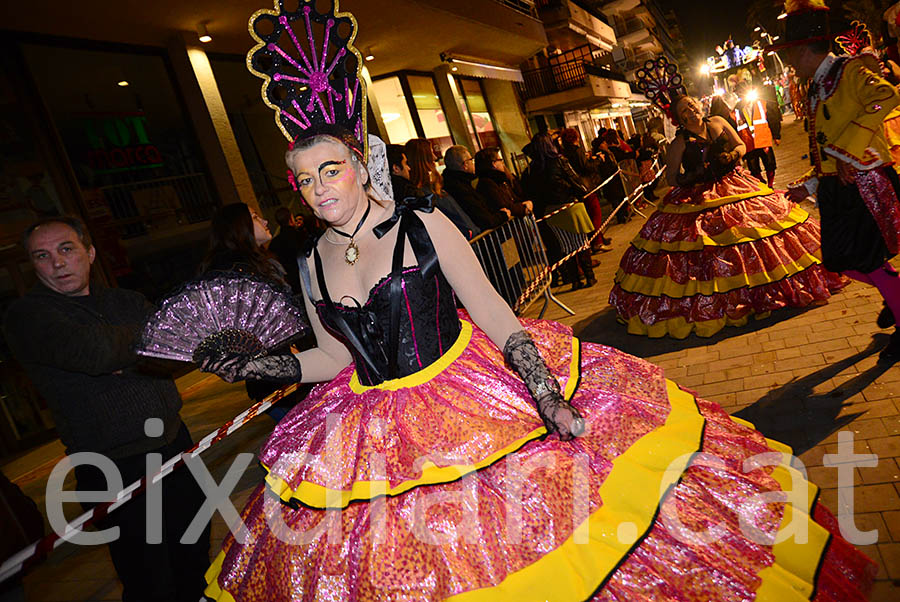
[[169, 570]]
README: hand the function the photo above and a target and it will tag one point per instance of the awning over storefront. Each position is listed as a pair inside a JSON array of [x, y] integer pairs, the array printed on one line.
[[473, 67]]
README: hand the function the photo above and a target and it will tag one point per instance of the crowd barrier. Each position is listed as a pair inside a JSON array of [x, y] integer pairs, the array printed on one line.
[[514, 256], [514, 259]]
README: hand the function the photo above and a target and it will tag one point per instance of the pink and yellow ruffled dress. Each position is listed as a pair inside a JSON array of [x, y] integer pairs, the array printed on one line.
[[717, 253], [441, 484]]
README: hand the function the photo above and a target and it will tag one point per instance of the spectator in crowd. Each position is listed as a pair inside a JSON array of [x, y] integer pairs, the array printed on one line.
[[606, 165], [399, 166], [236, 244], [553, 183], [424, 176], [759, 126], [497, 186], [646, 156], [76, 339], [578, 159], [459, 177]]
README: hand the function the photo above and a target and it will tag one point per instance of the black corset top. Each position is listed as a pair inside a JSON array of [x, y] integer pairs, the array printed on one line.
[[700, 156], [409, 319]]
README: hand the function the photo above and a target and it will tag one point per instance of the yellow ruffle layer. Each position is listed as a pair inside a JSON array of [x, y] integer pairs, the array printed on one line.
[[717, 202], [640, 479], [425, 374], [314, 495], [657, 287], [729, 237], [680, 328]]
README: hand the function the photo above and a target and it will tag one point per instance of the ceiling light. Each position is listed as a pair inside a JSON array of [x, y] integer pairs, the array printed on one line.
[[757, 28], [775, 38], [368, 55], [203, 33], [454, 68], [782, 16], [122, 83]]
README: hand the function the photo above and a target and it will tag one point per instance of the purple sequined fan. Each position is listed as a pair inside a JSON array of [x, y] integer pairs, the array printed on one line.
[[224, 314]]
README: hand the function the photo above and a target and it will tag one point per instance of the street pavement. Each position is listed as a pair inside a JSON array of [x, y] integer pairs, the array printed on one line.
[[802, 376]]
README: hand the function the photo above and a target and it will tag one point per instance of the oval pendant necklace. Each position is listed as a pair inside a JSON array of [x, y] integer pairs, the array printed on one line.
[[351, 255]]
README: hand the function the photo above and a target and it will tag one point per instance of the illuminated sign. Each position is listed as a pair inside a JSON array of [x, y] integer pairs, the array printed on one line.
[[118, 142]]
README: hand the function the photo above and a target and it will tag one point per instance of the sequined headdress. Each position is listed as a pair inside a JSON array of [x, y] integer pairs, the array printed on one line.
[[856, 40], [311, 72], [662, 84]]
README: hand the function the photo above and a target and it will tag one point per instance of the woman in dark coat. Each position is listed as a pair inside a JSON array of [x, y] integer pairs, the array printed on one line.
[[236, 245], [552, 183]]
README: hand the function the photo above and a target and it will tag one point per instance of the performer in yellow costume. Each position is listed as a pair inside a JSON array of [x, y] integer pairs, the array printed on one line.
[[851, 174]]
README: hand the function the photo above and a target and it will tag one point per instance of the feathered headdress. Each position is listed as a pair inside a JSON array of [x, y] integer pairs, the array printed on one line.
[[311, 72], [661, 83], [856, 40]]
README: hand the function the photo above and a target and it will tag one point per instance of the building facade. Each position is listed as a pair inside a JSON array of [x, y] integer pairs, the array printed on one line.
[[120, 114]]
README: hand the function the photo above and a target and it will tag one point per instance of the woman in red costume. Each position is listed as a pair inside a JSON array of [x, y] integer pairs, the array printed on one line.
[[721, 247]]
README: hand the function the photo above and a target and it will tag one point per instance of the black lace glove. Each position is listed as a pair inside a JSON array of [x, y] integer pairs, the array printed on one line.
[[728, 157], [558, 415], [278, 369]]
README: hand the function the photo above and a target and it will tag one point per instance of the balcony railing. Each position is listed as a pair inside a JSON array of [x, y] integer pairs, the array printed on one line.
[[526, 7], [566, 75]]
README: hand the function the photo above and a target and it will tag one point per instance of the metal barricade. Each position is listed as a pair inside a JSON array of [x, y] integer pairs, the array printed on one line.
[[515, 261]]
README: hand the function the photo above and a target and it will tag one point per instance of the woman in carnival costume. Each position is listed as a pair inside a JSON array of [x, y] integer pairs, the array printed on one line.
[[722, 246], [474, 456]]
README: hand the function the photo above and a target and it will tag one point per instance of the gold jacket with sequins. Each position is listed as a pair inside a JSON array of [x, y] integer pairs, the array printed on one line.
[[848, 101]]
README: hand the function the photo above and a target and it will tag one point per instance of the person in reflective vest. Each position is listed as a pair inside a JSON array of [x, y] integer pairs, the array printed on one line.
[[759, 126]]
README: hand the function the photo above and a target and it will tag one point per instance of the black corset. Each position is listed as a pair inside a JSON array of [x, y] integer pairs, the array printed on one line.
[[428, 325], [409, 319]]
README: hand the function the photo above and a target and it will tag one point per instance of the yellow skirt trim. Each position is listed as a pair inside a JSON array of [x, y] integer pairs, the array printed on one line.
[[213, 590], [729, 237], [713, 203], [680, 328], [631, 495], [657, 287], [425, 374], [793, 574], [317, 496]]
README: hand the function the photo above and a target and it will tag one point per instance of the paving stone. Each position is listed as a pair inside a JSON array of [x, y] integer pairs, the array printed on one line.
[[890, 555], [892, 521]]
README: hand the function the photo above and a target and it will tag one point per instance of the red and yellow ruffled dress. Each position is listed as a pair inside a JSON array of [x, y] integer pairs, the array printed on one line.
[[714, 254], [441, 484]]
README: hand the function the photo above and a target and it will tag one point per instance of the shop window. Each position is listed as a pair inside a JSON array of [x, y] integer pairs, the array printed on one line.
[[480, 122], [394, 109], [27, 190], [136, 158], [431, 114]]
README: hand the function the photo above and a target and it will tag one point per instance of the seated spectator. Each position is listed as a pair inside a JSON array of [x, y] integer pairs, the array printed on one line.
[[459, 177], [424, 176], [402, 187], [497, 186]]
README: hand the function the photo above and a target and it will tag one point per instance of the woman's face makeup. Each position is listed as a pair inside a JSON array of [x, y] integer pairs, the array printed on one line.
[[329, 181], [689, 112]]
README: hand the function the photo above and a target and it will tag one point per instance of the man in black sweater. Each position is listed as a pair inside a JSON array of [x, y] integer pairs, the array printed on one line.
[[459, 178], [76, 340]]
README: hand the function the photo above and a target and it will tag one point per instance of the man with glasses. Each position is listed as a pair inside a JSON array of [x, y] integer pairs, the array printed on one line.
[[459, 181]]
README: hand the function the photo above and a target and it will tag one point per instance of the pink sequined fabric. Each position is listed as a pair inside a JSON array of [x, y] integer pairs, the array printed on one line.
[[880, 197], [764, 258], [438, 540]]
